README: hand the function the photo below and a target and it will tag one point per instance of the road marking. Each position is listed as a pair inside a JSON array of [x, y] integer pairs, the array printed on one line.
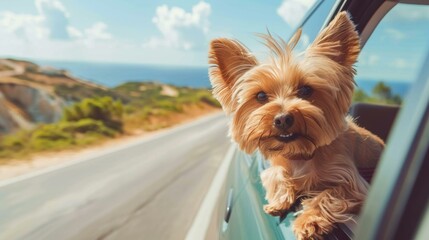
[[203, 218], [46, 170]]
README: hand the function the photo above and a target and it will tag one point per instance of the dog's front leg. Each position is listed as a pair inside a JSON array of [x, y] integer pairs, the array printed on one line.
[[279, 190], [321, 212]]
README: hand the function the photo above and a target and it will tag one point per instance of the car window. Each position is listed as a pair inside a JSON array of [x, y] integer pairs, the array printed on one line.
[[314, 23], [398, 197], [393, 55]]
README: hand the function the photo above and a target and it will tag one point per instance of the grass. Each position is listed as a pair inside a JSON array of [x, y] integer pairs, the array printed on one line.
[[132, 107], [150, 110], [75, 93], [54, 137]]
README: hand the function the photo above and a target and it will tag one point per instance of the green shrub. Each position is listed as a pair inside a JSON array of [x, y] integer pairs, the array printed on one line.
[[210, 100], [51, 132], [14, 142], [50, 136], [103, 109], [55, 136], [89, 126], [169, 105]]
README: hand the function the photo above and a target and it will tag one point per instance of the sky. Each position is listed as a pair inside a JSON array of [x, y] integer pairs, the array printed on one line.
[[136, 31], [178, 32], [398, 46]]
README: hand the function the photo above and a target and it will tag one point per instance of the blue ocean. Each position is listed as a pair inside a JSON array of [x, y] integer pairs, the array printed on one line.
[[114, 74]]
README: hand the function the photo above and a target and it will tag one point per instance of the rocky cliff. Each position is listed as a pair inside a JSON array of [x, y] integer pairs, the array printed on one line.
[[31, 94]]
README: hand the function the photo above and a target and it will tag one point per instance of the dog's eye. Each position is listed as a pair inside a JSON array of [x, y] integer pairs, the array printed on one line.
[[304, 91], [261, 97]]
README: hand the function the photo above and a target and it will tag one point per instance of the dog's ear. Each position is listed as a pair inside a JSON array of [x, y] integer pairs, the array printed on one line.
[[229, 60], [339, 41]]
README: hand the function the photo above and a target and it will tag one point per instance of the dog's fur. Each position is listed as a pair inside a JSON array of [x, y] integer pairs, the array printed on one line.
[[321, 162]]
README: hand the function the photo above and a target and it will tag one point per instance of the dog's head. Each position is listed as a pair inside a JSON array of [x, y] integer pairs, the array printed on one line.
[[292, 104]]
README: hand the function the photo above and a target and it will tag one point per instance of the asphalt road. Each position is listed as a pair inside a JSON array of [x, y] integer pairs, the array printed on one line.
[[149, 190]]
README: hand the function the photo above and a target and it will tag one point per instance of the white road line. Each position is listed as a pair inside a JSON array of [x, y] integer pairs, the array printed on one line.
[[202, 220], [9, 181]]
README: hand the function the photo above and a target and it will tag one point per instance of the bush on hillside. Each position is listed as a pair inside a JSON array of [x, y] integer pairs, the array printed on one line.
[[56, 136], [103, 109]]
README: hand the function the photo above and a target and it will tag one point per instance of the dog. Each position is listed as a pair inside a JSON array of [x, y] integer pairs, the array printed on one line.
[[293, 109]]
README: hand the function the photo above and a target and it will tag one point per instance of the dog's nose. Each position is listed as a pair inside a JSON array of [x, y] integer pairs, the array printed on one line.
[[283, 121]]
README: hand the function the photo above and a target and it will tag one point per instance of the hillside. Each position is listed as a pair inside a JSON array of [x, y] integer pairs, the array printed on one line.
[[43, 109], [31, 94]]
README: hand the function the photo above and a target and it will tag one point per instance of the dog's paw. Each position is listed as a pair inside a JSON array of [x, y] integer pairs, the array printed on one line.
[[309, 226], [274, 210], [279, 193]]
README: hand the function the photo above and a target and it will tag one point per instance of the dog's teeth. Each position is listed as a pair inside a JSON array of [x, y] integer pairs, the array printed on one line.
[[286, 135]]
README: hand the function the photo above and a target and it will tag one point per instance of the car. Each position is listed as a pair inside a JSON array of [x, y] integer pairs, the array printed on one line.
[[396, 207]]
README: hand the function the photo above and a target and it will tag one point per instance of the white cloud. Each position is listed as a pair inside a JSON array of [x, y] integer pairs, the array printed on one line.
[[55, 18], [29, 36], [410, 12], [368, 59], [45, 6], [373, 59], [178, 27], [25, 26], [50, 23], [74, 32], [98, 31], [293, 11], [400, 63], [395, 34]]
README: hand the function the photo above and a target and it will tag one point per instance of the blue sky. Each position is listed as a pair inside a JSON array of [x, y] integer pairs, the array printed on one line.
[[398, 46], [178, 32], [136, 31]]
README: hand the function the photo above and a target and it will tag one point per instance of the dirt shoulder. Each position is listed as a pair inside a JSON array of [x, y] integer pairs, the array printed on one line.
[[11, 169]]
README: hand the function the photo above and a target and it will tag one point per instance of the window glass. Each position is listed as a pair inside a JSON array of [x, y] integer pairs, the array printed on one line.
[[393, 55], [314, 23]]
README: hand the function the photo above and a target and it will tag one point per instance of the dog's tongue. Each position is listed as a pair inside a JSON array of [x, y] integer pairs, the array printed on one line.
[[297, 157]]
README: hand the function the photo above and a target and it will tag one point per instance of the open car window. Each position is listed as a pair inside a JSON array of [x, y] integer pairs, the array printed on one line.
[[393, 55]]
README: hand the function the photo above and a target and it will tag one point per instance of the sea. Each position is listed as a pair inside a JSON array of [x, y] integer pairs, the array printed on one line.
[[114, 74]]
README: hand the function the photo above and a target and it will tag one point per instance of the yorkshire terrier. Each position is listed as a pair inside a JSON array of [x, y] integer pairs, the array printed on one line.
[[293, 108]]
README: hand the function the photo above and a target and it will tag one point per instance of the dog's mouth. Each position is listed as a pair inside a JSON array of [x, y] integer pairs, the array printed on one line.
[[287, 137]]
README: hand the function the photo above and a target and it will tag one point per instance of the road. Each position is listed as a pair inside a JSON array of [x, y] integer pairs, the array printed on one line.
[[149, 190]]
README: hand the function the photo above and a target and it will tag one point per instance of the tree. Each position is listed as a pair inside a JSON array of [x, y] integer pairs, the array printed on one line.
[[382, 91], [360, 96]]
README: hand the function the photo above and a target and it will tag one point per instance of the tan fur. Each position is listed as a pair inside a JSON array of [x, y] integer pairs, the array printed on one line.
[[321, 163]]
